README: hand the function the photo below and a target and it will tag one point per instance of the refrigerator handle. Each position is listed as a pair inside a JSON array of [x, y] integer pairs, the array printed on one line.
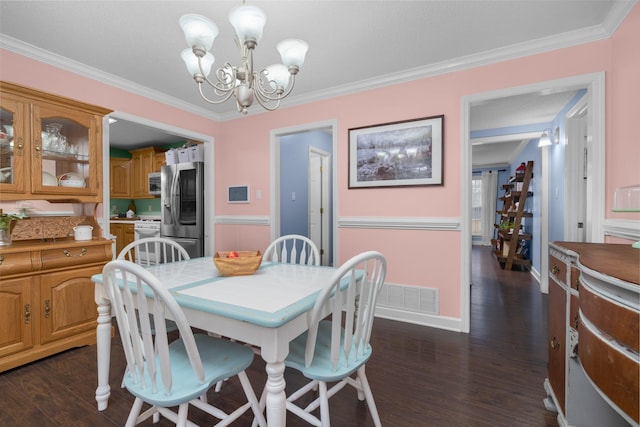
[[176, 198]]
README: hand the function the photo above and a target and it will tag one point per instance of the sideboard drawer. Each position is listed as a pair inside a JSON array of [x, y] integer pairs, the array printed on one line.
[[617, 321], [75, 253], [558, 268], [15, 263], [614, 371]]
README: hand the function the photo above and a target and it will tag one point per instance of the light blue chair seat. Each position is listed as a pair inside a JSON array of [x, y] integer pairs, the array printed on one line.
[[219, 357], [321, 367]]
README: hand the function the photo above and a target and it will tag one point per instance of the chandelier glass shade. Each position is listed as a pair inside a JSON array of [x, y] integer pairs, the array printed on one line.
[[268, 86]]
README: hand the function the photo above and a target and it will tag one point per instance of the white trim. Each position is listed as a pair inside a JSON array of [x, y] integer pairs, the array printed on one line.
[[505, 138], [440, 322], [544, 219], [624, 228], [402, 223], [242, 220], [466, 237]]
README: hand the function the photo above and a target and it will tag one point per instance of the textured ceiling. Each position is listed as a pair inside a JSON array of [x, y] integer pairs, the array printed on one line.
[[354, 45]]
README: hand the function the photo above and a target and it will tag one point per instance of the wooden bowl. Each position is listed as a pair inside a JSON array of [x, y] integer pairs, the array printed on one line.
[[245, 264]]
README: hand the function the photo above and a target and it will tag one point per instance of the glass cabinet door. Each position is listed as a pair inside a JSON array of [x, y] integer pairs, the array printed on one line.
[[64, 152], [13, 153]]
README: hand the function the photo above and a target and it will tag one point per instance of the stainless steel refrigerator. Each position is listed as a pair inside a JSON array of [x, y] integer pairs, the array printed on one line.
[[183, 206]]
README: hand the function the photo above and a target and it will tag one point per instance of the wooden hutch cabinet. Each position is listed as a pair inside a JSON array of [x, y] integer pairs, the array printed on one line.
[[53, 149], [50, 149], [47, 297]]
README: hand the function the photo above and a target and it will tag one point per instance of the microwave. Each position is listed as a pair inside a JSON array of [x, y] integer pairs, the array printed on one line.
[[154, 186]]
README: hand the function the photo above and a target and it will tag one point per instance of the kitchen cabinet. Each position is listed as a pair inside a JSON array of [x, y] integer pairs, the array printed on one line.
[[52, 149], [124, 232], [120, 178], [142, 164], [47, 300], [594, 334], [159, 160]]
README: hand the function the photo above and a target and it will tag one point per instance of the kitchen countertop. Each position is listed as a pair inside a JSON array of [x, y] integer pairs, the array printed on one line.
[[123, 220]]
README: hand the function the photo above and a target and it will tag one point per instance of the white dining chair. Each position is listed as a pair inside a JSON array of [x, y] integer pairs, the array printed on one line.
[[336, 347], [164, 250], [163, 374], [292, 249]]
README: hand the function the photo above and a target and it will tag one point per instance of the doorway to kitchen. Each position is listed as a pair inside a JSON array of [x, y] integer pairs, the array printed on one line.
[[303, 200], [135, 132]]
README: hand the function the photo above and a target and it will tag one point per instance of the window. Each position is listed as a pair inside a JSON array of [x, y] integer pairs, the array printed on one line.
[[476, 206]]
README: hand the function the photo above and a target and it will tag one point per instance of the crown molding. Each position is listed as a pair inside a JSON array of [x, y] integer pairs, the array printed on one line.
[[37, 54], [519, 50]]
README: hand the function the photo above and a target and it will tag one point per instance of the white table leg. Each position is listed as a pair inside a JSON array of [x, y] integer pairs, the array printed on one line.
[[276, 397], [103, 338]]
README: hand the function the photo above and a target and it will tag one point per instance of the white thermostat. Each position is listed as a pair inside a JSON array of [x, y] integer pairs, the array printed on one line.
[[238, 194]]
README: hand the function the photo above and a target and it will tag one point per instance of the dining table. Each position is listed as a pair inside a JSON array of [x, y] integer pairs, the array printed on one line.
[[267, 309]]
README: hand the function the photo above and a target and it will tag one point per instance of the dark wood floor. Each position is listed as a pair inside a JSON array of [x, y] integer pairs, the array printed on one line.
[[419, 376]]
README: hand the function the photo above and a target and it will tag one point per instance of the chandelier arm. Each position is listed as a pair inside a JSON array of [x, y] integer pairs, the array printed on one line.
[[267, 94], [264, 102], [220, 87], [211, 101]]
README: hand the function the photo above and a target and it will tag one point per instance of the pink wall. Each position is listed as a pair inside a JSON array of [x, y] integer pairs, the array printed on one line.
[[422, 258]]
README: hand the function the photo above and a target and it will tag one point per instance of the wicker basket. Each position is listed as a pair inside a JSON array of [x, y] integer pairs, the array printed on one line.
[[245, 264]]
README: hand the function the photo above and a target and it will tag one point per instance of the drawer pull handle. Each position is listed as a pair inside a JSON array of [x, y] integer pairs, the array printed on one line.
[[67, 252], [555, 344], [555, 270], [27, 313], [47, 309], [1, 259]]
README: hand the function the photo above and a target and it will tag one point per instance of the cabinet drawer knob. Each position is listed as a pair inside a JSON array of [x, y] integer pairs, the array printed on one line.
[[19, 146], [67, 252], [47, 309], [555, 344], [27, 313], [1, 259]]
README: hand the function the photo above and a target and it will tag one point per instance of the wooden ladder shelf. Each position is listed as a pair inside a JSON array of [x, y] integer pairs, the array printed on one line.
[[510, 239]]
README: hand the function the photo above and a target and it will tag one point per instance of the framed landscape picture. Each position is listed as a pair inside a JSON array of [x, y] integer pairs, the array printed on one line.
[[397, 154]]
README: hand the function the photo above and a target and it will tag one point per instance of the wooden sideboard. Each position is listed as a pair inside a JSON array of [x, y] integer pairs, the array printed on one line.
[[47, 300], [594, 334]]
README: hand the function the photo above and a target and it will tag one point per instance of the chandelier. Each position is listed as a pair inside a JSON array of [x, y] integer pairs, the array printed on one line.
[[268, 86]]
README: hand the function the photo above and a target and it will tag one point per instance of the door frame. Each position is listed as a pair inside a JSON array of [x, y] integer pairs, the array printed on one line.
[[595, 85], [572, 162], [324, 157], [274, 137]]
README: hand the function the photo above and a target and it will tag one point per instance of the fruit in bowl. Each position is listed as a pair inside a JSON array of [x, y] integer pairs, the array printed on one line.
[[237, 263]]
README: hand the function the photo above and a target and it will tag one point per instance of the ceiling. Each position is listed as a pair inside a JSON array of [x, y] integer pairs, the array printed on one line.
[[354, 46]]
